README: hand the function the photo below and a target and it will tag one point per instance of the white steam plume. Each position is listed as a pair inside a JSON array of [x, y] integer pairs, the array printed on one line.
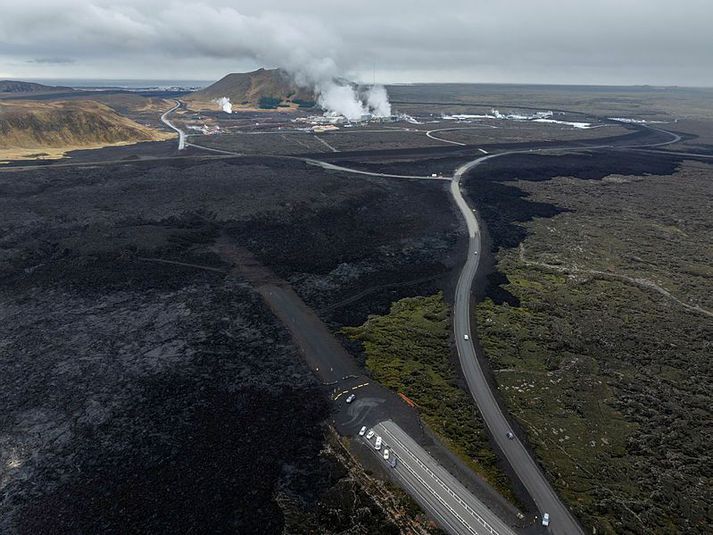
[[378, 101], [341, 99], [225, 104], [344, 99]]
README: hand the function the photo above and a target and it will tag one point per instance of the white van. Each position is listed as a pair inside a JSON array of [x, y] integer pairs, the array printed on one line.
[[546, 519]]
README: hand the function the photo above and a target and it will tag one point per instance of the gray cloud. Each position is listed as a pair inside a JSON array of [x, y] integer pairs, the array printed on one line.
[[51, 61], [608, 41]]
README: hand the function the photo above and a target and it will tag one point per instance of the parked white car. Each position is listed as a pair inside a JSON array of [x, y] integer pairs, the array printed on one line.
[[370, 434], [362, 431], [466, 337], [377, 445], [386, 454], [351, 398], [546, 519]]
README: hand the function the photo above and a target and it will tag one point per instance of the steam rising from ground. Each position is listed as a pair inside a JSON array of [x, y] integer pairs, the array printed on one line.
[[378, 101], [225, 105], [344, 99], [537, 117]]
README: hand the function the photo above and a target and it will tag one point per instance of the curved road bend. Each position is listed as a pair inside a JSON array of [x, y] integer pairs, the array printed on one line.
[[561, 520], [167, 122], [430, 133]]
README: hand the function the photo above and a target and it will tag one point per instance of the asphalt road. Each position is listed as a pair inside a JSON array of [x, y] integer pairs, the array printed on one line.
[[457, 510], [167, 122], [430, 134], [332, 167], [561, 520]]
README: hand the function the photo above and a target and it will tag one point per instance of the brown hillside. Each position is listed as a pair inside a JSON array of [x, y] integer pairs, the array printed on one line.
[[263, 88], [30, 129]]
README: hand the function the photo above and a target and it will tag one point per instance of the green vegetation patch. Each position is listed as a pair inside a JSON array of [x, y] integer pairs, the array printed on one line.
[[269, 103], [302, 103], [408, 350], [607, 379]]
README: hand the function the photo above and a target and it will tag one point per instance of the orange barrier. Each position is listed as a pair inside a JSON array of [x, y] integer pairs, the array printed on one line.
[[408, 401]]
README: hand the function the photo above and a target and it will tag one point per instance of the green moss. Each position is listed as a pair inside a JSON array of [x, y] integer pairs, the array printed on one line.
[[408, 350], [269, 103], [554, 384]]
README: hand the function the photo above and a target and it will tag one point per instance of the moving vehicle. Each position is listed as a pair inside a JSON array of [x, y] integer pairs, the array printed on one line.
[[351, 398], [510, 435], [377, 446], [546, 519], [386, 454], [370, 434], [466, 337], [362, 431]]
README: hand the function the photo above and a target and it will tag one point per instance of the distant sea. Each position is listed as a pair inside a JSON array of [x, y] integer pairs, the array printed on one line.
[[131, 85]]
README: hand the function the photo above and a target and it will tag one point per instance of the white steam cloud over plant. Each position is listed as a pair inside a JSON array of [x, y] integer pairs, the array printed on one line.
[[346, 100], [225, 104], [378, 101], [310, 51]]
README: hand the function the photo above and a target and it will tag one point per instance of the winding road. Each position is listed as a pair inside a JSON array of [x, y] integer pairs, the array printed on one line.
[[167, 122], [562, 522]]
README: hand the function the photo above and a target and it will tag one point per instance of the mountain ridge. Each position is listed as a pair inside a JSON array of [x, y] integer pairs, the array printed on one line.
[[261, 89], [15, 87]]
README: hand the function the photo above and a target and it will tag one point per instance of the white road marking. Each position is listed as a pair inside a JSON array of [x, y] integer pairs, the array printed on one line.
[[325, 143], [430, 134]]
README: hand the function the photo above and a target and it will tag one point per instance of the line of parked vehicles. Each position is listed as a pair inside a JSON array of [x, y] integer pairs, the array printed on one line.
[[387, 453]]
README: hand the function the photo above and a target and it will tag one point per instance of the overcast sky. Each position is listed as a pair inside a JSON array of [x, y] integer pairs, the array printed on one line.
[[659, 42]]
